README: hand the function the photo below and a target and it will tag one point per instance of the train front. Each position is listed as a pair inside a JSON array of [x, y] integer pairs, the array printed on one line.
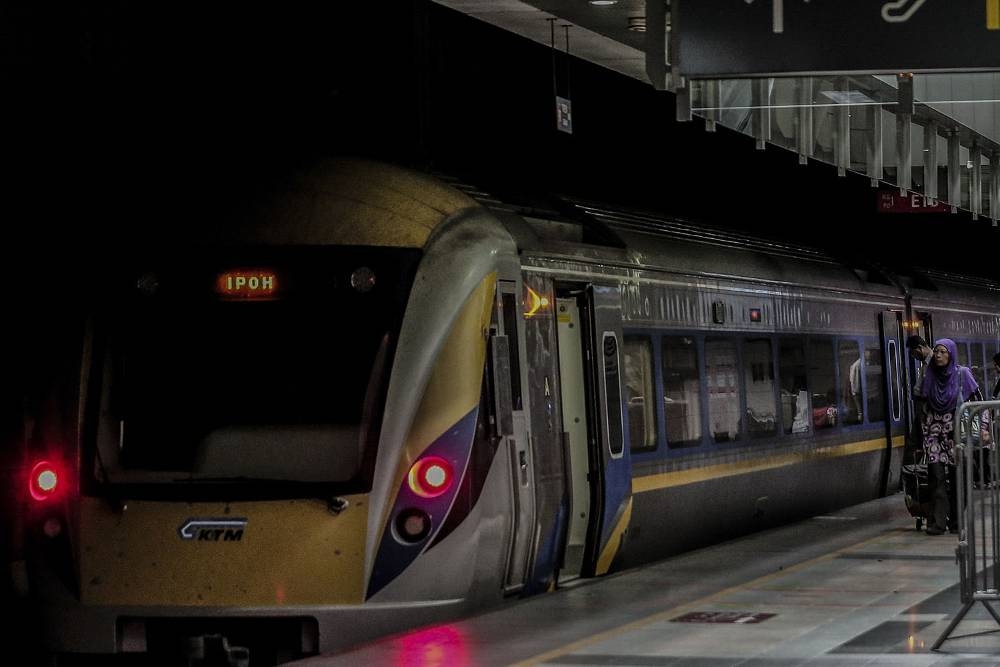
[[222, 487]]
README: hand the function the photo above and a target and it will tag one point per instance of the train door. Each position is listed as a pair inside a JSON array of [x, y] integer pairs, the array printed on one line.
[[598, 468], [893, 385], [512, 429], [921, 325]]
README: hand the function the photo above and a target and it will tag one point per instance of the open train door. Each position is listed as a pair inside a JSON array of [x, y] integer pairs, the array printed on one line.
[[894, 389], [599, 476], [511, 426]]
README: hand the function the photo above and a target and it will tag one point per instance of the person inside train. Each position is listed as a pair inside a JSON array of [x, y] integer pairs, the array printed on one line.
[[854, 376], [945, 384], [921, 353]]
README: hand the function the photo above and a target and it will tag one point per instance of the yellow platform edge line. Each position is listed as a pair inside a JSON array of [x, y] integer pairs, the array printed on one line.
[[695, 475]]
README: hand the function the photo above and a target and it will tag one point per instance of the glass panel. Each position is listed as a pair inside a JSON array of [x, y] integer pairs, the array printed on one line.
[[723, 390], [860, 118], [917, 156], [613, 390], [825, 118], [785, 114], [985, 176], [510, 316], [681, 391], [850, 379], [889, 147], [794, 388], [758, 378], [942, 168], [965, 173], [822, 384], [873, 382], [963, 354], [735, 105], [639, 393]]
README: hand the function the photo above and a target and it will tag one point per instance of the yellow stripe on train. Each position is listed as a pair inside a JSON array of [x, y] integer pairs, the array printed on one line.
[[695, 475]]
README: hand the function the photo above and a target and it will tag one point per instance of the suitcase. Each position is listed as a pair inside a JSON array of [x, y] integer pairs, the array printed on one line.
[[916, 488]]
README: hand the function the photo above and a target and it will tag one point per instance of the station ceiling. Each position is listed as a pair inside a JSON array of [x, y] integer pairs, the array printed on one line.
[[609, 35], [963, 109]]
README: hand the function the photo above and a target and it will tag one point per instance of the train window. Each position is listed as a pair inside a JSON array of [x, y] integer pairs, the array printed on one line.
[[873, 382], [758, 378], [822, 384], [963, 353], [977, 366], [991, 373], [640, 394], [206, 388], [681, 391], [510, 313], [794, 388], [723, 389], [849, 355], [613, 391], [895, 380]]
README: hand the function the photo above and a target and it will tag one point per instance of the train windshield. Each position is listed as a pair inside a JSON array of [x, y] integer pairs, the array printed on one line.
[[256, 370]]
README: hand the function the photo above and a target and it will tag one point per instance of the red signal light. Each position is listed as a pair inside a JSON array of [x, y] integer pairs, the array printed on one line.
[[431, 476], [44, 480]]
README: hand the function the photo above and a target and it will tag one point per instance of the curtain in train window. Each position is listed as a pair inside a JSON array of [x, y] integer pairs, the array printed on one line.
[[640, 396], [849, 357], [681, 391], [795, 416], [822, 385], [723, 389], [873, 382], [758, 379]]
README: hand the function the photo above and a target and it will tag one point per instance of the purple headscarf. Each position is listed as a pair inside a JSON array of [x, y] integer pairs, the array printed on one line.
[[941, 383]]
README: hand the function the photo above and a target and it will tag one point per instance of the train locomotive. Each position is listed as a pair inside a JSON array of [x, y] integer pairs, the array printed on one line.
[[377, 400]]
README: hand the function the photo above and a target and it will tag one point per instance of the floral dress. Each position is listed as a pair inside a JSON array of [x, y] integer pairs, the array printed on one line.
[[939, 441], [939, 429]]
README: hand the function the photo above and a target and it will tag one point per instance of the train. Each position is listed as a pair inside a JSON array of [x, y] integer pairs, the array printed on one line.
[[370, 398]]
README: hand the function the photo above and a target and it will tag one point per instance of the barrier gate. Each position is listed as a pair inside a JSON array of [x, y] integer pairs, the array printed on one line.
[[978, 496]]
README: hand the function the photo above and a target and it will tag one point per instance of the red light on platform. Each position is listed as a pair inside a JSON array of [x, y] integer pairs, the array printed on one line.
[[44, 481], [755, 315], [430, 477]]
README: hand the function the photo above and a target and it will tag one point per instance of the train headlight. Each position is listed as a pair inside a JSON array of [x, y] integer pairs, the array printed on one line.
[[431, 476], [412, 525]]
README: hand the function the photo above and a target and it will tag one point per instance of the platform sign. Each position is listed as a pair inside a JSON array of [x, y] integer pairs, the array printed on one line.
[[743, 38], [911, 202]]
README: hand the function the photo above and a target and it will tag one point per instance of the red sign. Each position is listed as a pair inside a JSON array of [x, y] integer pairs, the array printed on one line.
[[890, 201]]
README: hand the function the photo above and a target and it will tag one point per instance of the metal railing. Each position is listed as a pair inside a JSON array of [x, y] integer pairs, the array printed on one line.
[[978, 495]]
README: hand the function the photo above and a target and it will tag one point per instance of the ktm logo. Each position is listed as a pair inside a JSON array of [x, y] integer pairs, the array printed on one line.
[[213, 530]]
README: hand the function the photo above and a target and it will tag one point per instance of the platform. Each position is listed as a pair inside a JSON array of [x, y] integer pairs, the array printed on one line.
[[857, 587]]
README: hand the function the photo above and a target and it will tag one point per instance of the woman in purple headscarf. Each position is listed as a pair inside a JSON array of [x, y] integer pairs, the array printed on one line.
[[945, 385]]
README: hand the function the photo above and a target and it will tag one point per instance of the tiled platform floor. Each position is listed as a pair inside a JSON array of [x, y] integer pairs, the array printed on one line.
[[859, 587]]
